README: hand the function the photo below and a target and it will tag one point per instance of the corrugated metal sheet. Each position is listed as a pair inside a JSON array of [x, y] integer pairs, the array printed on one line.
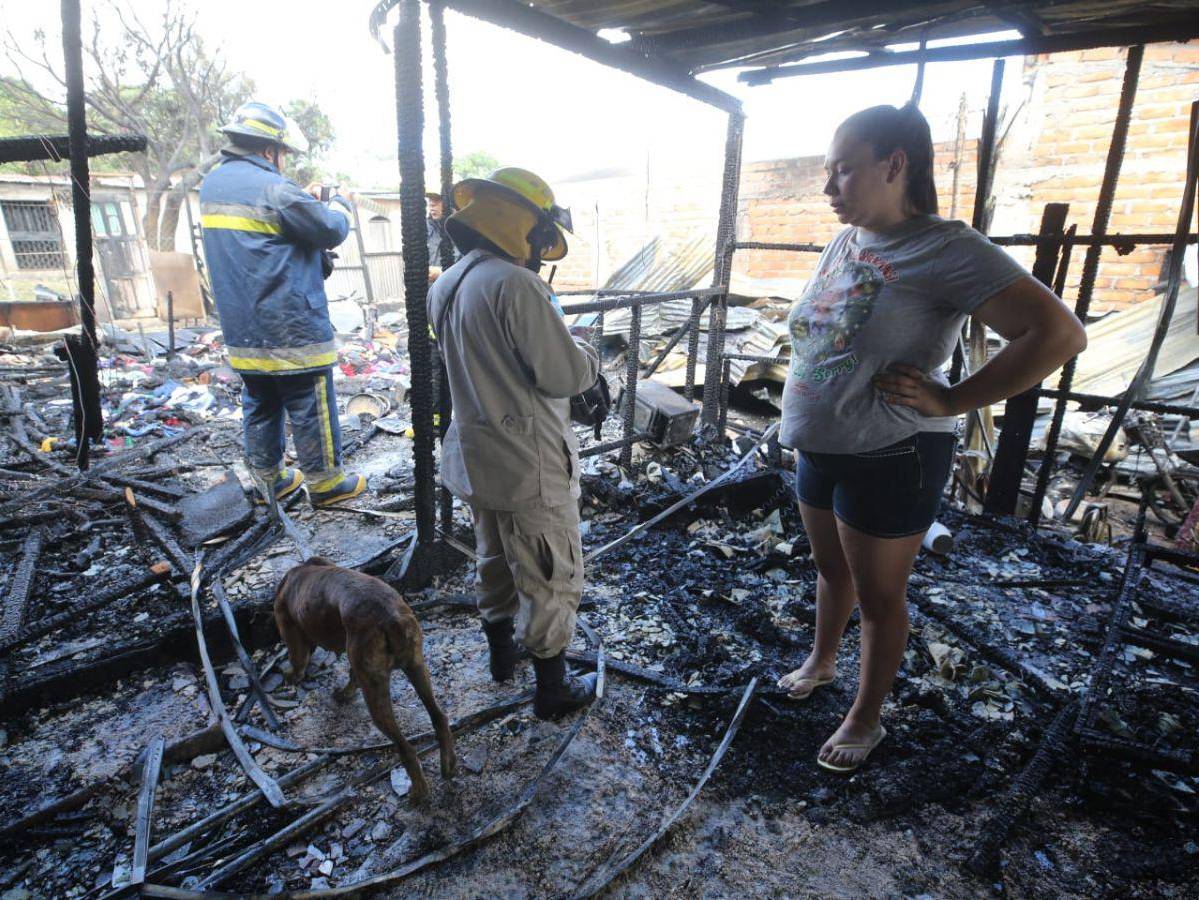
[[663, 268], [701, 35], [1116, 345], [758, 336]]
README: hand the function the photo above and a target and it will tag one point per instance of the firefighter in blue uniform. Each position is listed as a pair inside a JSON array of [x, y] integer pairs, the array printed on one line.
[[263, 240]]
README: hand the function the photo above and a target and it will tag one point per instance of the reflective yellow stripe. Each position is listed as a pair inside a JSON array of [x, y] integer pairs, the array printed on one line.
[[240, 223], [325, 483], [258, 125], [322, 406], [269, 364], [282, 359]]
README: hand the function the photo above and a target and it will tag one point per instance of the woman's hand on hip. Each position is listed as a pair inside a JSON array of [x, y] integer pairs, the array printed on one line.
[[908, 386]]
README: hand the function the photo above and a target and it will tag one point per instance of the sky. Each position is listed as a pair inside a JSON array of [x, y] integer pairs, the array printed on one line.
[[524, 101]]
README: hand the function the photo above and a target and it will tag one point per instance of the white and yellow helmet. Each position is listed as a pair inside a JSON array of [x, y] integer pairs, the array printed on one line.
[[508, 207], [266, 124]]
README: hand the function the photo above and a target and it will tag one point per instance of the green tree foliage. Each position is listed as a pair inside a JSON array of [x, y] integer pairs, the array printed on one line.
[[475, 164], [319, 131], [156, 78]]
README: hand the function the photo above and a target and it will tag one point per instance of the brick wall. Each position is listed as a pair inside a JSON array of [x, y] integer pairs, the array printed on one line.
[[1069, 126], [1054, 150], [782, 201]]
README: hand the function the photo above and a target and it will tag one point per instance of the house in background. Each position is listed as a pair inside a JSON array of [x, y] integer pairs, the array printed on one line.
[[37, 246]]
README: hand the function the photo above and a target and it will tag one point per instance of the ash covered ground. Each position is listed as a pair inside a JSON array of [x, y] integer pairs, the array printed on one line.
[[688, 612]]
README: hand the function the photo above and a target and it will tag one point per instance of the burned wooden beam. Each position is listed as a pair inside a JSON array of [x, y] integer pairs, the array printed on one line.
[[1090, 266], [56, 147], [1137, 751], [121, 589], [17, 599], [543, 26], [179, 558], [1020, 412], [1029, 46], [150, 487], [1023, 790], [236, 551], [72, 480], [1101, 671], [1160, 643], [640, 673]]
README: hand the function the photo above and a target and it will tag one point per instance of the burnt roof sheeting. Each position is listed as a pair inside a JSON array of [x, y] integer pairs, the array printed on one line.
[[698, 36]]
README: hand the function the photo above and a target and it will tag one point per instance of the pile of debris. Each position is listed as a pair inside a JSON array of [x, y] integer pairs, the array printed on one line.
[[126, 762]]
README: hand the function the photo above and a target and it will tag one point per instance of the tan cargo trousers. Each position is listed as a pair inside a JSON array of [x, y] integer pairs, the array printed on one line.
[[530, 568]]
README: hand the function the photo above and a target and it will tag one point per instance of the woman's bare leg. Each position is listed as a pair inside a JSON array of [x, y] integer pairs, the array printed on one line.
[[835, 599], [879, 568]]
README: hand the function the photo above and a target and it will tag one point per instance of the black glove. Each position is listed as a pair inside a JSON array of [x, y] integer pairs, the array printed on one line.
[[591, 407], [327, 257]]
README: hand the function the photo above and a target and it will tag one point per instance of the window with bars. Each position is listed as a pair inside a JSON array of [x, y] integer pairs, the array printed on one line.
[[34, 232]]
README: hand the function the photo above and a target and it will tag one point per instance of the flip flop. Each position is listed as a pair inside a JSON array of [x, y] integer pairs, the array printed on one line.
[[812, 683], [868, 747]]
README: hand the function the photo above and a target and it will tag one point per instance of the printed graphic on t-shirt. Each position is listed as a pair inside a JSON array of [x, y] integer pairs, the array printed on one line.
[[833, 309]]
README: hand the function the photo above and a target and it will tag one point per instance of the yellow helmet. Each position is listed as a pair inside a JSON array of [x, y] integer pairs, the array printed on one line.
[[513, 208]]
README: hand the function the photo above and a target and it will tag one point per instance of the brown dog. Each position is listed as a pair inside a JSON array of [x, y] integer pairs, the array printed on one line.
[[321, 604]]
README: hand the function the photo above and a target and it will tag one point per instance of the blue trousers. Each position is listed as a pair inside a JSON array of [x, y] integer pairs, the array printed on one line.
[[309, 401]]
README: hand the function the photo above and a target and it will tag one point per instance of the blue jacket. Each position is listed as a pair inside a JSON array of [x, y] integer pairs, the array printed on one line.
[[263, 238]]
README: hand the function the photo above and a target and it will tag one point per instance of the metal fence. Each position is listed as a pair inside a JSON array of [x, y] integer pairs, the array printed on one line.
[[634, 302]]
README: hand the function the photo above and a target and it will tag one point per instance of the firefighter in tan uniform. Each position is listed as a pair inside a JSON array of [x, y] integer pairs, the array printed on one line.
[[510, 452]]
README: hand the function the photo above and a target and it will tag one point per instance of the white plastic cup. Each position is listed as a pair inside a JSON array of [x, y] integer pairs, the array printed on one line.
[[938, 540]]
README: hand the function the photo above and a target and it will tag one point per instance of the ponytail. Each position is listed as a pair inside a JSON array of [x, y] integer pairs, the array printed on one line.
[[887, 129]]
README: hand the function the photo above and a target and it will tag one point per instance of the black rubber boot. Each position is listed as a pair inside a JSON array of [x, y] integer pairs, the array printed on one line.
[[559, 693], [503, 649]]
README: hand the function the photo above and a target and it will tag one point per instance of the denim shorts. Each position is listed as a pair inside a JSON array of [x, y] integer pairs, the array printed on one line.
[[889, 493]]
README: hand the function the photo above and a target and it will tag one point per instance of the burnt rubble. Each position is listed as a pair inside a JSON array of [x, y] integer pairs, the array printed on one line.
[[1043, 725]]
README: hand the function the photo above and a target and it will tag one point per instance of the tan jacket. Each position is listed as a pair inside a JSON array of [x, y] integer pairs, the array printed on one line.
[[512, 367]]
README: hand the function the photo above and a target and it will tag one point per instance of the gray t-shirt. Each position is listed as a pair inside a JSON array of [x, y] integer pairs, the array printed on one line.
[[876, 300]]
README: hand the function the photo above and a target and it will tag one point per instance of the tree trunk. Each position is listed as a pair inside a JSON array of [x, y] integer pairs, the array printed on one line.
[[168, 223], [150, 220]]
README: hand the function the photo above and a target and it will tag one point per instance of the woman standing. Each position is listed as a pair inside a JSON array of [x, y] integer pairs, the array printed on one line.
[[866, 405]]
